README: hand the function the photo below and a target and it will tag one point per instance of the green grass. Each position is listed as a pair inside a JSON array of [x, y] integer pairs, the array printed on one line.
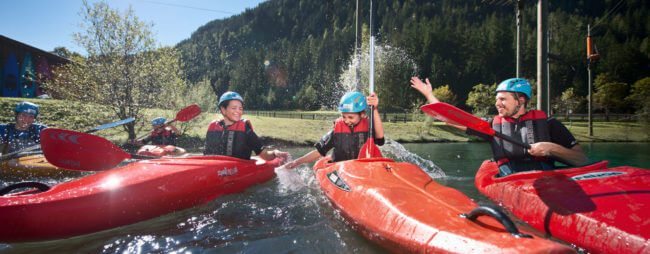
[[83, 116]]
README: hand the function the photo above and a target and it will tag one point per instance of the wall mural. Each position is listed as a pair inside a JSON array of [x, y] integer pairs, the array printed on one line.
[[23, 78]]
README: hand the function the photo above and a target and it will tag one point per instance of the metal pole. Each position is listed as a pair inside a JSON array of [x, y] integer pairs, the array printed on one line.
[[520, 8], [357, 49], [548, 73], [590, 98], [542, 46]]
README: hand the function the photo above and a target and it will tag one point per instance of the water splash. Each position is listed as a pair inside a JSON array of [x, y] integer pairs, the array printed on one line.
[[289, 180], [400, 153], [388, 61]]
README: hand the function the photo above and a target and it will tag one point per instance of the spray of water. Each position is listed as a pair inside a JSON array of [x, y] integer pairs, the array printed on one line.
[[388, 59], [399, 152]]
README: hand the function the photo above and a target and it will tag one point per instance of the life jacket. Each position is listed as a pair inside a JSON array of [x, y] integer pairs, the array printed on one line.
[[530, 128], [228, 140], [166, 136], [15, 140], [348, 141]]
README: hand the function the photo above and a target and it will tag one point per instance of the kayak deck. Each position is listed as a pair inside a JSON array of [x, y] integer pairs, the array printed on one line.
[[595, 207], [135, 192], [401, 208]]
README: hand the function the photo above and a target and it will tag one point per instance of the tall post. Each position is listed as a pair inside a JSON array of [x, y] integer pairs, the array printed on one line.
[[542, 27], [589, 85], [548, 72], [520, 9], [357, 49]]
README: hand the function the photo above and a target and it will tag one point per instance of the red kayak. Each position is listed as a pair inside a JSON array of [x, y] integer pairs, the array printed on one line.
[[600, 209], [160, 150], [138, 191], [398, 206]]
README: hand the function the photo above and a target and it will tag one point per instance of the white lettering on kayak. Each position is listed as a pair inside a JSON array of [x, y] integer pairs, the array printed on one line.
[[227, 171], [595, 175]]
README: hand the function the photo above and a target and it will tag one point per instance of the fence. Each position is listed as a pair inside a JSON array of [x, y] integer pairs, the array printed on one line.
[[419, 117]]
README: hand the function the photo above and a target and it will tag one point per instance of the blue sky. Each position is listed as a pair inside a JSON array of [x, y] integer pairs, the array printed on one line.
[[47, 24]]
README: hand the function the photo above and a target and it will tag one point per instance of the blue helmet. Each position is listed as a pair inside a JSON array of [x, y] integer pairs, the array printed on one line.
[[227, 96], [158, 121], [27, 107], [353, 102], [516, 85]]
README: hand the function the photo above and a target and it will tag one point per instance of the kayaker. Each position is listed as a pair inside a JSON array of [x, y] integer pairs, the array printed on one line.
[[25, 132], [549, 139], [162, 135], [350, 131], [233, 135]]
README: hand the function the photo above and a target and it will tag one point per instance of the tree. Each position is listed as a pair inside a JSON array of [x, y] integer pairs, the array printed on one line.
[[444, 93], [609, 94], [640, 96], [481, 99], [568, 102], [123, 69]]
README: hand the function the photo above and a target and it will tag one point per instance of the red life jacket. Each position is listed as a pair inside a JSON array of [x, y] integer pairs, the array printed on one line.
[[230, 140], [348, 141], [166, 136], [530, 128]]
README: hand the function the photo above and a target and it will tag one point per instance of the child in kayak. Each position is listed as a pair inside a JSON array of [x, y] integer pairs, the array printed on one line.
[[25, 132], [233, 135], [549, 139], [162, 135], [350, 131]]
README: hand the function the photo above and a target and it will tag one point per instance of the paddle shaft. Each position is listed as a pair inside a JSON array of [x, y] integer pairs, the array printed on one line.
[[147, 135], [371, 76], [511, 140]]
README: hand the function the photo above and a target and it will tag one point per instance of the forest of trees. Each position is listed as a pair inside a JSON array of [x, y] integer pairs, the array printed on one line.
[[290, 54]]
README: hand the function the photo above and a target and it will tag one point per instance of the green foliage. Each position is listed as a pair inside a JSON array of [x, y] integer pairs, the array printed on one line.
[[308, 98], [444, 93], [609, 94], [640, 96], [123, 69], [481, 99], [568, 102], [201, 94], [313, 41]]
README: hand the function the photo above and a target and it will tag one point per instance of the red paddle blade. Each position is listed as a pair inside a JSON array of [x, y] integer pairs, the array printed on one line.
[[188, 113], [453, 115], [369, 150], [80, 151]]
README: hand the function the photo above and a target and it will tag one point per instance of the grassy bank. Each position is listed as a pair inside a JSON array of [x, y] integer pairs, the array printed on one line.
[[82, 116]]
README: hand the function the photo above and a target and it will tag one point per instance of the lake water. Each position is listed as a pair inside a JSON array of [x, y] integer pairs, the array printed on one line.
[[289, 214]]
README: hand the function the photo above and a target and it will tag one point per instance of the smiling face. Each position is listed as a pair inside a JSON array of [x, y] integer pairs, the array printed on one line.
[[232, 112], [509, 105], [351, 119], [24, 120]]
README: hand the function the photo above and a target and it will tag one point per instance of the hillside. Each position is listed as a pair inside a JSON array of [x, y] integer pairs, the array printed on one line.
[[289, 54]]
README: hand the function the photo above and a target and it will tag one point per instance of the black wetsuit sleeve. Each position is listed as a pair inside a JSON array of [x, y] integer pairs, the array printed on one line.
[[380, 141], [325, 144], [253, 141], [560, 134]]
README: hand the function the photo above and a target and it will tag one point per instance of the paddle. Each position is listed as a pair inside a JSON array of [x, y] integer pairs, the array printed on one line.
[[184, 115], [98, 128], [80, 151], [369, 149], [450, 114]]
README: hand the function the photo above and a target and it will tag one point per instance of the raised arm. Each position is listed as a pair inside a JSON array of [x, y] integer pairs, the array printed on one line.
[[424, 89]]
